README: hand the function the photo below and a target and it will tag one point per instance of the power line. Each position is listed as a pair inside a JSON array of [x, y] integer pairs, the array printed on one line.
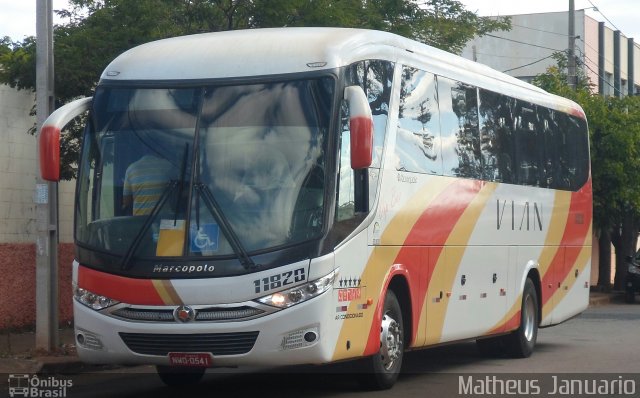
[[531, 63], [607, 60], [603, 79], [521, 42], [540, 30], [600, 77], [503, 56], [596, 8]]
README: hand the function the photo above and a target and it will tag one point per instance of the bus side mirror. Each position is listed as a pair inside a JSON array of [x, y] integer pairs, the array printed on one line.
[[49, 137], [361, 127]]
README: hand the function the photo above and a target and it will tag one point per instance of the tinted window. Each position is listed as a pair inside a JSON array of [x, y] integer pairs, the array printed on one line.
[[527, 148], [527, 144], [461, 154], [418, 136], [496, 132], [375, 77], [573, 160]]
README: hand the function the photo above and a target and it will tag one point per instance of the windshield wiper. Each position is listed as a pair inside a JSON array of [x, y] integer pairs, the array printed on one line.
[[171, 186], [232, 237]]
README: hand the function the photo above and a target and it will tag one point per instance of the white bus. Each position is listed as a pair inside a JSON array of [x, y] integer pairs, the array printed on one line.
[[312, 195]]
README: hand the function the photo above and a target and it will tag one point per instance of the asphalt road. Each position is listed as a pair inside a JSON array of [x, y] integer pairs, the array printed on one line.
[[601, 344]]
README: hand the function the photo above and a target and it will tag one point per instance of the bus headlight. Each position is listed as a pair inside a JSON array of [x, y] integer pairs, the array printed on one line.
[[92, 300], [299, 294]]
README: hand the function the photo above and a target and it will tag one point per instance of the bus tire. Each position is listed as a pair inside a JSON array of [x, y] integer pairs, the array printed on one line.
[[382, 369], [521, 342], [174, 376]]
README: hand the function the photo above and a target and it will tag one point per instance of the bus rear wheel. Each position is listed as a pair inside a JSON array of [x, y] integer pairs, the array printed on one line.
[[521, 342], [382, 369], [179, 376]]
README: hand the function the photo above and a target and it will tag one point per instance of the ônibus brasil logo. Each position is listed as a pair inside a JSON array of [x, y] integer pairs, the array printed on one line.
[[32, 386]]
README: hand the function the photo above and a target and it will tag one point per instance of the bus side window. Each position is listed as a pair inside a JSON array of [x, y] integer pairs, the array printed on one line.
[[548, 136], [345, 202], [461, 156], [357, 189], [526, 143], [418, 137], [496, 136], [572, 140], [375, 77]]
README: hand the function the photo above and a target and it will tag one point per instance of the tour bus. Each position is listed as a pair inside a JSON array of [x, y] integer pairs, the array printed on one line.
[[313, 195]]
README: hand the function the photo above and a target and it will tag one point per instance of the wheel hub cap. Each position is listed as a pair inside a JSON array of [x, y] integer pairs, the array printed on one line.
[[390, 341]]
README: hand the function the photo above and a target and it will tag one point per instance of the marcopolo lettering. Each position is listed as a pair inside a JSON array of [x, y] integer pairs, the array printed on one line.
[[186, 269]]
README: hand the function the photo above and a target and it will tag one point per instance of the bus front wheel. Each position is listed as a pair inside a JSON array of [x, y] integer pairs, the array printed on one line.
[[382, 369]]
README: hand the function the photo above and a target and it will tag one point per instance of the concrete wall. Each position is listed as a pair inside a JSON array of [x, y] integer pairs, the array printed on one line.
[[547, 32], [18, 217], [590, 57]]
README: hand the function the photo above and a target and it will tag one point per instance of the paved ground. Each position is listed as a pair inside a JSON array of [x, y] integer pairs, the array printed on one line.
[[18, 353]]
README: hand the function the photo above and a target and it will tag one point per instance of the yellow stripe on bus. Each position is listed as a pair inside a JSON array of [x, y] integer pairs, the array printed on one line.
[[167, 292], [557, 226], [448, 263], [570, 279], [356, 331]]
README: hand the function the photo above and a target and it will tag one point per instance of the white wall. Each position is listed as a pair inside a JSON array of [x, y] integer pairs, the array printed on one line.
[[18, 172], [532, 37]]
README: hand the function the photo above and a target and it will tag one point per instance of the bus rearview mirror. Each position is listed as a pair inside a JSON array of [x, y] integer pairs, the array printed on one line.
[[49, 137], [361, 127]]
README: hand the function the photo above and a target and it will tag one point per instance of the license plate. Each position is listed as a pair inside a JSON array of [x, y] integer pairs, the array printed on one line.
[[192, 359]]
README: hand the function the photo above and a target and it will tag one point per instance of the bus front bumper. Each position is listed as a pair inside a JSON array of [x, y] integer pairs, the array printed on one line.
[[297, 335]]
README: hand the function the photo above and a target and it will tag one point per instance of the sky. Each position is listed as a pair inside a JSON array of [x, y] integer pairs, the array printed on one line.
[[17, 17]]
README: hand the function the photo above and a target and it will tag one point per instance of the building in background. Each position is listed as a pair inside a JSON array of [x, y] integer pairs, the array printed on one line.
[[609, 59], [18, 216]]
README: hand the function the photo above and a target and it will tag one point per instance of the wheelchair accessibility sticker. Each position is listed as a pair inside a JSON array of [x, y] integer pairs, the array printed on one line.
[[204, 238]]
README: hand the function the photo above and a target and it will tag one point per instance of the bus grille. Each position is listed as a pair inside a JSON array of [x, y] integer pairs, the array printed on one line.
[[211, 314], [215, 343]]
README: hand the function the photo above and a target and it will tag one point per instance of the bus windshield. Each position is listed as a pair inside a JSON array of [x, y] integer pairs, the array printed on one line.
[[204, 171]]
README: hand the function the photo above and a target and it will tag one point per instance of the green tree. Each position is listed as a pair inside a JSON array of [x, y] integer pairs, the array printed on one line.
[[614, 125], [96, 31]]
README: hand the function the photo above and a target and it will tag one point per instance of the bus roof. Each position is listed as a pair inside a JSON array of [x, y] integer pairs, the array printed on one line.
[[277, 51]]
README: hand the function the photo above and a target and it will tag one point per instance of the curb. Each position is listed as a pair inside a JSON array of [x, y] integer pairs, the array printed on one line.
[[49, 365], [11, 365], [598, 301], [68, 364]]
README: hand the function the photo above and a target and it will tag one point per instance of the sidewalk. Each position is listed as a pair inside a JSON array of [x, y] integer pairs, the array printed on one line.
[[18, 354]]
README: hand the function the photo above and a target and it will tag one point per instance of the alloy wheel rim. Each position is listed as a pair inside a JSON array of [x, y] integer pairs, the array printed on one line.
[[529, 318], [390, 341]]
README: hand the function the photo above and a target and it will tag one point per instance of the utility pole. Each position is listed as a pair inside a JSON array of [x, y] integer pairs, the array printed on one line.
[[46, 195], [571, 56]]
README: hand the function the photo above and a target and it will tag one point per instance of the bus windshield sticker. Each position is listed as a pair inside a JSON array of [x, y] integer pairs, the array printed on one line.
[[205, 238], [170, 238]]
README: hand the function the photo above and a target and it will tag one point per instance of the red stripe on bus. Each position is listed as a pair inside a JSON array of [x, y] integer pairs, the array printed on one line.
[[432, 228], [126, 290], [510, 324], [575, 234]]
